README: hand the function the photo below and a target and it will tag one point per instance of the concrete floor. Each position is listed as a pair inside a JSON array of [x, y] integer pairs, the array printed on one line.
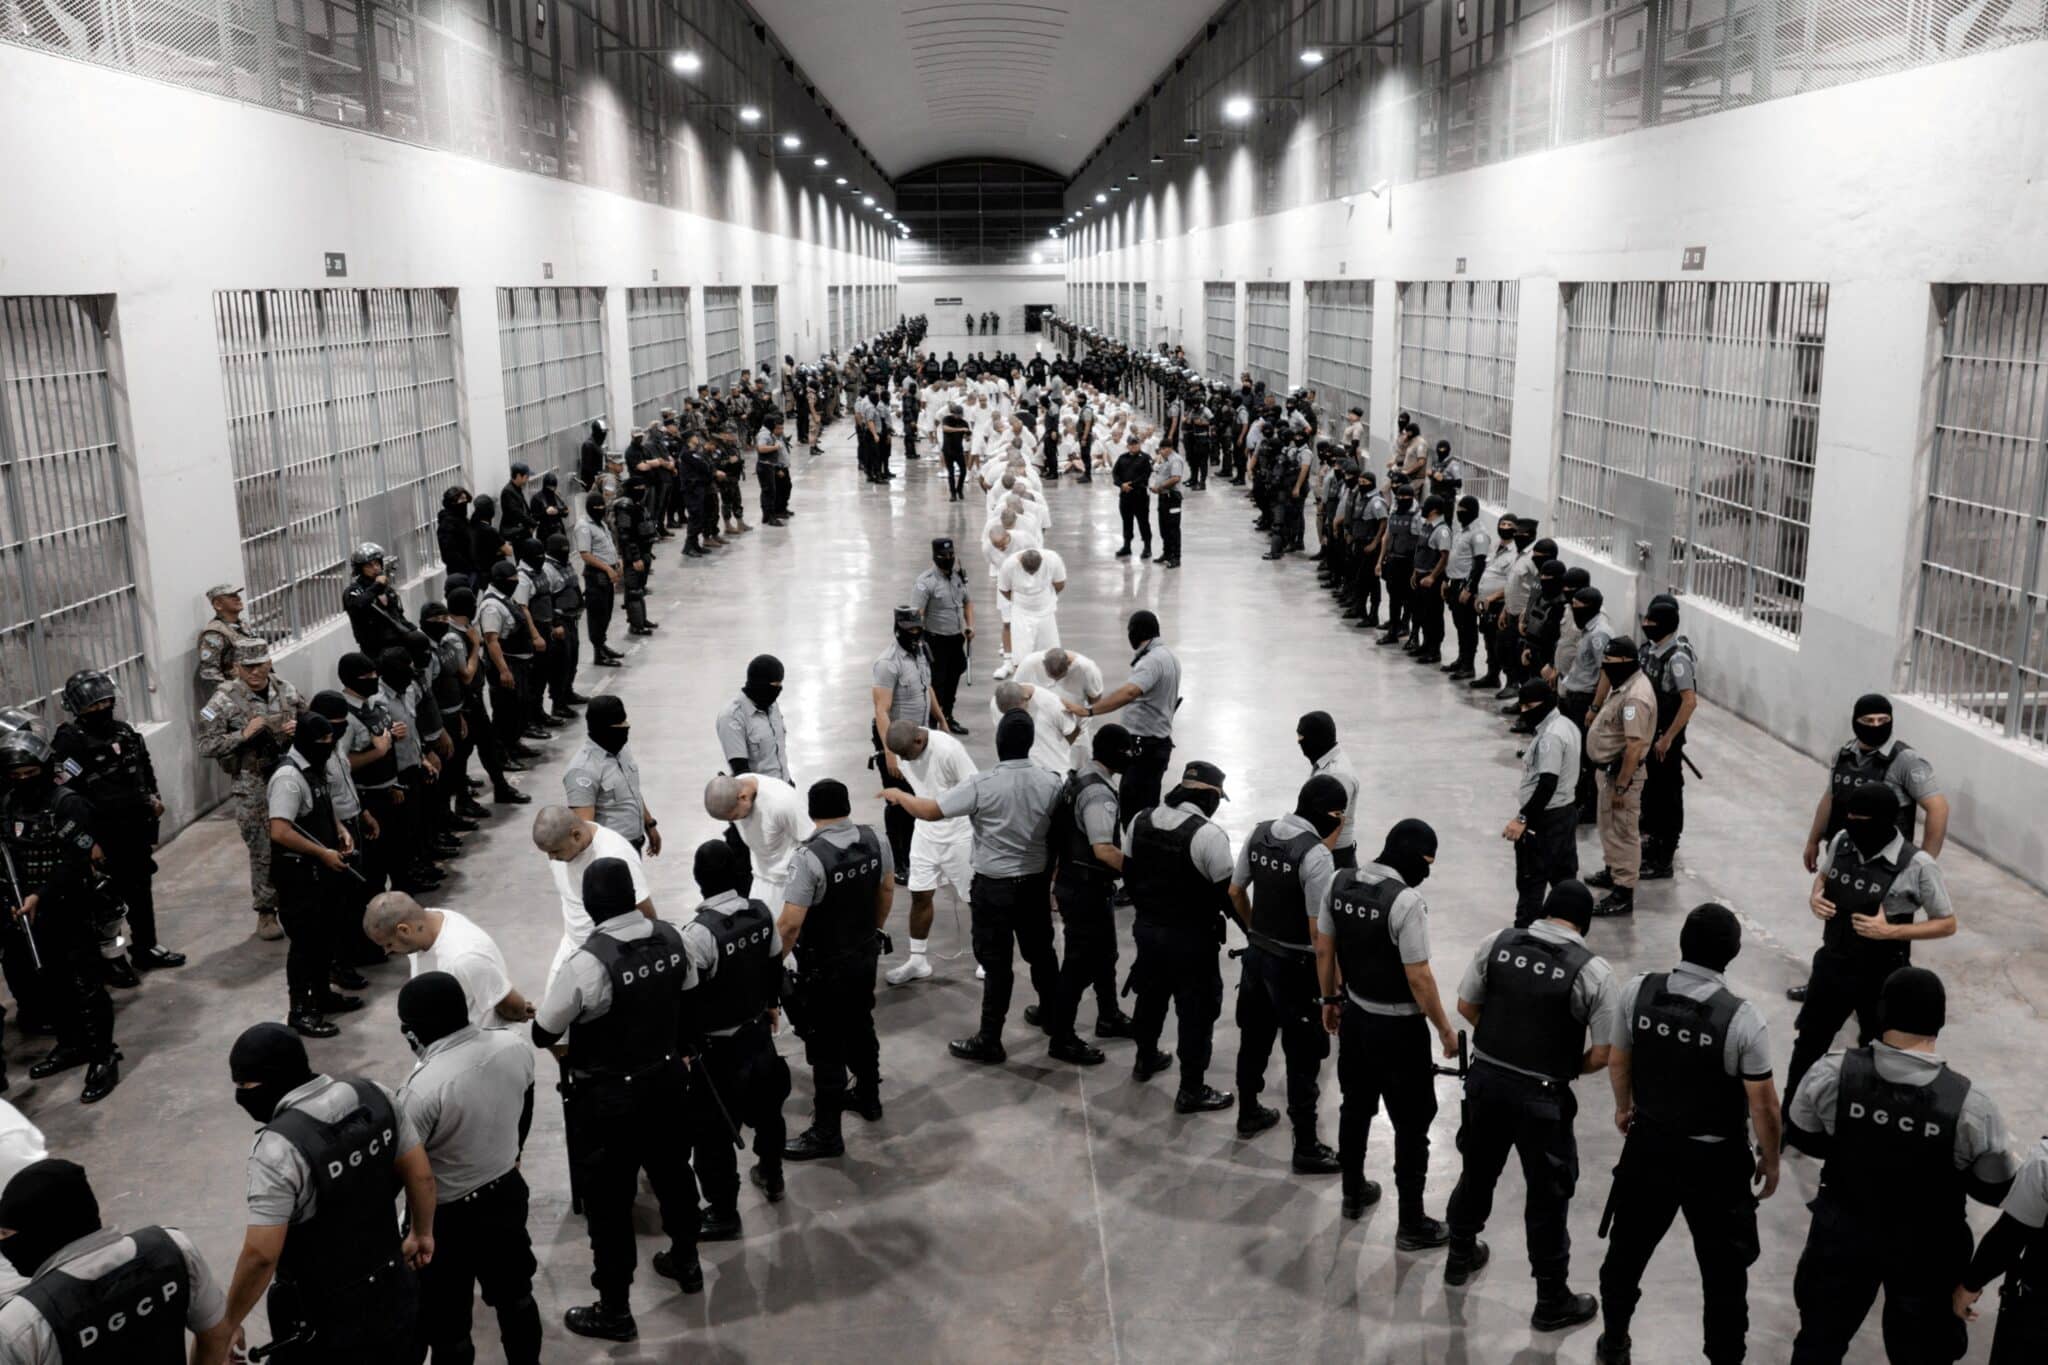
[[1036, 1212]]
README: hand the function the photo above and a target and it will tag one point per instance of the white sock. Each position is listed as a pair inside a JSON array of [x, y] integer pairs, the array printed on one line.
[[917, 946]]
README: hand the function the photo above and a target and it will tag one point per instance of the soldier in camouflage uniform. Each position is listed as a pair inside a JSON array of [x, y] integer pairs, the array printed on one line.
[[220, 638], [245, 727]]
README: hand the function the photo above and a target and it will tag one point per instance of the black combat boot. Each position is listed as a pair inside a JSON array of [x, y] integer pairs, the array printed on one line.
[[1465, 1262], [681, 1265], [606, 1321], [1150, 1062], [1360, 1197], [1558, 1308], [817, 1142]]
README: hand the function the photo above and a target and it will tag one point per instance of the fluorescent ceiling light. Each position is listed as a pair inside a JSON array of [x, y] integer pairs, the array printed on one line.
[[868, 200], [1237, 107], [686, 63], [792, 141], [839, 180], [749, 114], [819, 161], [1102, 199], [1312, 57]]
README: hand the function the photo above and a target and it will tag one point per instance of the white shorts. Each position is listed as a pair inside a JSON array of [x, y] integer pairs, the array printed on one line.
[[940, 858], [1031, 632], [1003, 608], [769, 893]]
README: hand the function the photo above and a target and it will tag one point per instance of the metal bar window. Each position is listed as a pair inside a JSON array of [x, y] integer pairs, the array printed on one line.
[[1123, 313], [832, 308], [1980, 629], [67, 567], [343, 426], [1267, 334], [1141, 335], [767, 334], [1219, 319], [722, 354], [1458, 373], [1713, 390], [1340, 348], [658, 337], [551, 350]]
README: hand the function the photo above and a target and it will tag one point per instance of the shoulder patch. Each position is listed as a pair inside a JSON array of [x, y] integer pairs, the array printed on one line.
[[1628, 711], [206, 712]]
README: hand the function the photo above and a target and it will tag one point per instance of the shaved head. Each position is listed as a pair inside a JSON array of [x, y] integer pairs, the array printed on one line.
[[728, 798], [1032, 560], [906, 738], [1057, 662], [1010, 696], [557, 831], [385, 913]]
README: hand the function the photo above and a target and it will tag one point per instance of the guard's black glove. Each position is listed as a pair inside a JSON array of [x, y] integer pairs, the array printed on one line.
[[885, 943]]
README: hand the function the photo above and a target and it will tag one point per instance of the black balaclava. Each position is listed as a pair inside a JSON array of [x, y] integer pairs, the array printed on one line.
[[1710, 937], [1143, 626], [430, 1007], [606, 720], [828, 800], [608, 889], [1872, 704], [1912, 1000], [1205, 800], [483, 510], [1525, 531], [505, 577], [1621, 660], [1660, 618], [1014, 736], [1506, 527], [1316, 733], [558, 546], [942, 554], [434, 620], [1321, 803], [1550, 575], [1112, 747], [764, 680], [593, 505], [1536, 701], [1571, 902], [1871, 815], [715, 868], [1468, 511], [1574, 578], [1586, 604], [1404, 496], [909, 629], [97, 720], [313, 740], [462, 602], [1409, 847], [1542, 550], [529, 552], [394, 666], [358, 674], [329, 703], [271, 1056], [49, 1205]]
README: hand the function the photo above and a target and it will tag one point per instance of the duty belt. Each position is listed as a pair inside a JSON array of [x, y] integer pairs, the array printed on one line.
[[1276, 947], [480, 1191], [629, 1077]]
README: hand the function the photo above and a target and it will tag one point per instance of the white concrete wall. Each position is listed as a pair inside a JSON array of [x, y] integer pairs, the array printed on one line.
[[160, 196], [1003, 289], [1882, 188]]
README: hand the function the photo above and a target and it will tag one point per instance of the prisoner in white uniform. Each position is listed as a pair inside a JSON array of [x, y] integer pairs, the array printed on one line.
[[1080, 682], [1053, 726], [568, 873], [940, 850], [772, 821], [1032, 580]]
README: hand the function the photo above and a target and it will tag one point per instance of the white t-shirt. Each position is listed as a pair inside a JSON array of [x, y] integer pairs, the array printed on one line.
[[576, 921], [943, 765], [1021, 539], [1032, 593], [1051, 726], [774, 827], [467, 953]]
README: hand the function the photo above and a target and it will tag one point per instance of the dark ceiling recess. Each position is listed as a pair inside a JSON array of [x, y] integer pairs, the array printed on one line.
[[979, 212]]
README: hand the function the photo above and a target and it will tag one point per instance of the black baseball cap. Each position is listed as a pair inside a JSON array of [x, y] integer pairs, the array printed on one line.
[[1208, 774]]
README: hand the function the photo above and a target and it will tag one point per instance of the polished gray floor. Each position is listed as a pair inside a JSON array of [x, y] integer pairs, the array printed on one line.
[[1035, 1212]]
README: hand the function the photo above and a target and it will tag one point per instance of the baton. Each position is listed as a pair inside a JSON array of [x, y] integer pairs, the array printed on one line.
[[1463, 1069], [703, 1073], [269, 1348], [27, 925], [1686, 759], [324, 849]]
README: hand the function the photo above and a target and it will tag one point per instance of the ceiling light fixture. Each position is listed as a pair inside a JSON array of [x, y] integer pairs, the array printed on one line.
[[791, 141], [1238, 107], [749, 114], [839, 180], [1158, 160], [1101, 198], [686, 63], [1312, 57], [1192, 138], [868, 200], [820, 161]]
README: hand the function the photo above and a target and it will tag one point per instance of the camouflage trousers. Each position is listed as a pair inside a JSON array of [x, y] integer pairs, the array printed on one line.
[[251, 798]]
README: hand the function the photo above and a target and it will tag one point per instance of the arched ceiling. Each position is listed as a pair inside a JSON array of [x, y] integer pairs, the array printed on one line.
[[920, 81]]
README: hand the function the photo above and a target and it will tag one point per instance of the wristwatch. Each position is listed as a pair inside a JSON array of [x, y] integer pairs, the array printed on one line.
[[1329, 999]]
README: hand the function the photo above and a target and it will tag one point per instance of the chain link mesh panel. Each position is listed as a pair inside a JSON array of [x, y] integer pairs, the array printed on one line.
[[67, 567], [1458, 373], [658, 337], [1980, 628], [1340, 348]]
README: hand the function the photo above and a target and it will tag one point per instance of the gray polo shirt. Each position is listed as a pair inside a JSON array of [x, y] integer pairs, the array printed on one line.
[[1318, 869], [1745, 1053], [1584, 674], [2027, 1203], [943, 600], [1523, 573], [1172, 467], [746, 731], [1010, 809], [1157, 674], [1554, 748], [464, 1099], [1919, 889], [700, 946], [341, 787], [356, 736], [495, 615], [1468, 547], [777, 452], [806, 885], [280, 1184], [1209, 850], [1095, 806], [610, 784], [289, 795], [909, 679], [593, 537], [1407, 925], [26, 1336], [582, 989], [1595, 997], [403, 710], [1335, 764], [1981, 1136]]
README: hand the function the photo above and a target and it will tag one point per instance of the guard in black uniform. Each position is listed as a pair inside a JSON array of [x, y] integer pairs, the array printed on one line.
[[51, 942], [375, 613], [1691, 1072], [1177, 867], [1287, 868], [741, 1080], [1380, 1000], [841, 884], [1086, 863], [107, 761], [625, 1093]]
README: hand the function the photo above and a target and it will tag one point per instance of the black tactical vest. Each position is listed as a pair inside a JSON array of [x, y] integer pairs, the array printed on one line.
[[1404, 529], [1166, 887], [379, 772], [1363, 912], [513, 641], [1075, 853], [645, 1019], [34, 833], [844, 919], [1527, 1020], [745, 983], [1679, 1066], [1279, 906], [318, 824], [1854, 768], [354, 1228], [1657, 668], [133, 1313], [1858, 885], [1895, 1145], [109, 770]]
